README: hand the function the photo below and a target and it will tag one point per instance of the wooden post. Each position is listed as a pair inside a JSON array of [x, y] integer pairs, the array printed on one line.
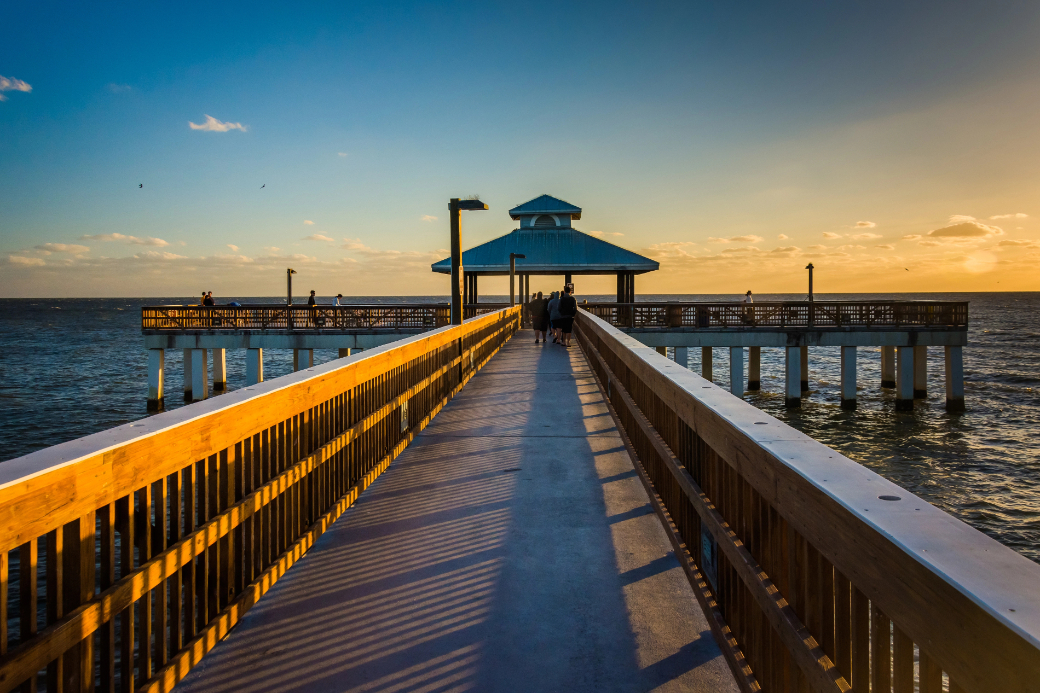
[[156, 367], [848, 377], [954, 379], [456, 262], [754, 368]]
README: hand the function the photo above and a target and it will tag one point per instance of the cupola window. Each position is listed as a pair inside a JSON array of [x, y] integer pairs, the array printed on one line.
[[544, 220]]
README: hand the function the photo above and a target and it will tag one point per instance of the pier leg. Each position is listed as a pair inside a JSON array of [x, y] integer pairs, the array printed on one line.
[[804, 356], [792, 377], [302, 358], [187, 375], [344, 353], [736, 371], [920, 372], [904, 378], [954, 378], [848, 377], [888, 366], [754, 364], [254, 366], [706, 363], [219, 370], [663, 351], [682, 356], [199, 375], [156, 365]]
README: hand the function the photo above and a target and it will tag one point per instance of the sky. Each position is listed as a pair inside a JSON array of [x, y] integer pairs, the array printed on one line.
[[152, 149]]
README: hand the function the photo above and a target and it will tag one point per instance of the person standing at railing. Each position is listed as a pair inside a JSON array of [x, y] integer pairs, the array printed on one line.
[[749, 311], [312, 311], [554, 316], [208, 299], [568, 309], [539, 317]]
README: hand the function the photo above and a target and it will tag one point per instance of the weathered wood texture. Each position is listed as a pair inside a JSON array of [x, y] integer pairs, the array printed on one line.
[[822, 583], [125, 557]]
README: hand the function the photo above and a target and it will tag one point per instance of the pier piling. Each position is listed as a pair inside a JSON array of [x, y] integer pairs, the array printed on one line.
[[254, 366], [199, 375], [344, 353], [156, 366], [754, 368], [302, 359], [187, 375], [804, 370], [954, 379], [888, 366], [219, 370], [904, 378], [848, 377], [706, 363], [736, 371], [920, 372], [682, 356], [793, 377]]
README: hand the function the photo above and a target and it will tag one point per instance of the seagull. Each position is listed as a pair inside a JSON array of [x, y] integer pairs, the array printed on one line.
[[263, 186], [140, 185], [906, 269]]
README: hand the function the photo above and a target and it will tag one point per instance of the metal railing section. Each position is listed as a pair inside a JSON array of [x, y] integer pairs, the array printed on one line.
[[816, 573], [127, 555], [785, 314], [303, 318]]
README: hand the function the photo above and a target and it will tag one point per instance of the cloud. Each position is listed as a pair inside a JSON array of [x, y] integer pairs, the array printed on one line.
[[62, 248], [786, 249], [886, 247], [911, 237], [157, 255], [25, 261], [319, 237], [599, 234], [12, 84], [133, 240], [119, 88], [341, 153], [736, 239], [929, 244], [429, 217], [966, 229], [308, 222], [750, 249], [1018, 215], [782, 237], [960, 218], [865, 224], [234, 248], [817, 247], [1017, 244], [214, 125], [866, 236], [272, 248], [831, 236]]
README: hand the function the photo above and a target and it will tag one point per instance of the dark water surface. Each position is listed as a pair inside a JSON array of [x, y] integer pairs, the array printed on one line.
[[71, 367]]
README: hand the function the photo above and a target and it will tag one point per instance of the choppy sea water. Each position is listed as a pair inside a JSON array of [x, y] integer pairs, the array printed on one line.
[[71, 367]]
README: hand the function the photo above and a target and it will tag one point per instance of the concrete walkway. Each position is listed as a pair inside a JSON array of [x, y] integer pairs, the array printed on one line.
[[511, 547]]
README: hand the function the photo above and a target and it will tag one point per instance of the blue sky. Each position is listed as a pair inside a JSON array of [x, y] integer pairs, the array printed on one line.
[[685, 130]]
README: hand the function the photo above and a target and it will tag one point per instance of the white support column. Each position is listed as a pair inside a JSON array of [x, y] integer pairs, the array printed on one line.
[[706, 363], [219, 370], [736, 371], [344, 353], [848, 377], [793, 376], [904, 378], [954, 378], [302, 358], [804, 356], [254, 366], [682, 356], [199, 375], [920, 372], [187, 375], [888, 366], [156, 366], [754, 362]]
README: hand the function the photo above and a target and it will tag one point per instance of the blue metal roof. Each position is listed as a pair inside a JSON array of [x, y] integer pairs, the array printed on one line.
[[550, 251], [545, 204]]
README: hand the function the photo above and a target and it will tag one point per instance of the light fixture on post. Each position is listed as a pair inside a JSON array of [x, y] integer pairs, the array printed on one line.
[[812, 306], [455, 207], [810, 268], [512, 273], [288, 281]]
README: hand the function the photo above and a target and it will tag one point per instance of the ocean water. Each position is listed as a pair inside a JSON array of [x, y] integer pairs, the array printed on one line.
[[71, 367]]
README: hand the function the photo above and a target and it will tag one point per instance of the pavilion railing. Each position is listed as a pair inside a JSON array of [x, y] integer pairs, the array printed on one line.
[[784, 314], [816, 573], [127, 555], [303, 318]]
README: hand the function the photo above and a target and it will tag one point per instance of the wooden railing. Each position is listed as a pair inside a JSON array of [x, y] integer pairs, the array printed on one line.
[[785, 314], [127, 555], [303, 318], [816, 573]]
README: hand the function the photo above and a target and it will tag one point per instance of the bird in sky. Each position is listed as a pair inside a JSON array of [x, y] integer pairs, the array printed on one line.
[[906, 269], [140, 185], [263, 186]]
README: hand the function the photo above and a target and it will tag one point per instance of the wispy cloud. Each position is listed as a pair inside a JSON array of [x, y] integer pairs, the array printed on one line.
[[911, 237], [817, 247], [62, 248], [865, 236], [234, 248], [25, 261], [429, 217], [786, 249], [865, 224], [214, 125], [831, 236], [158, 255], [308, 222], [886, 247], [1018, 215], [341, 153], [736, 239], [783, 237], [119, 88], [966, 229], [319, 237], [132, 240], [12, 84]]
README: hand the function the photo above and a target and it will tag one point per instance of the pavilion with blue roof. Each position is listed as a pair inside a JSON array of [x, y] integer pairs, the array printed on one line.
[[552, 247]]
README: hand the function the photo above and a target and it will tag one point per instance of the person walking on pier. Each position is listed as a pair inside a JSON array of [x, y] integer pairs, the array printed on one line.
[[554, 316], [568, 309], [539, 317], [749, 312]]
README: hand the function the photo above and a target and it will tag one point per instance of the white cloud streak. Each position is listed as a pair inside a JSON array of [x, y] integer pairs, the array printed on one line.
[[308, 222], [736, 239], [319, 237], [132, 240], [865, 224], [831, 236], [429, 217], [214, 125], [1018, 215]]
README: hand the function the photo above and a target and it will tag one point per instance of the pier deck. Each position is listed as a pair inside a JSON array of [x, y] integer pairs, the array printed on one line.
[[511, 546]]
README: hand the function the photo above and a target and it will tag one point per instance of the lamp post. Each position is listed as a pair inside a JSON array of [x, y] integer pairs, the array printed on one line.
[[810, 268], [288, 281], [455, 207], [812, 306], [512, 273]]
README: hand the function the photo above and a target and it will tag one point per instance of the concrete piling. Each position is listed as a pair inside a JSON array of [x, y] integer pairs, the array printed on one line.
[[219, 370], [920, 372], [792, 377], [754, 368], [804, 356], [187, 375], [954, 379], [706, 363], [736, 371], [663, 351], [682, 356], [848, 377], [904, 378], [888, 366], [254, 366], [344, 353], [156, 367], [302, 358], [199, 375]]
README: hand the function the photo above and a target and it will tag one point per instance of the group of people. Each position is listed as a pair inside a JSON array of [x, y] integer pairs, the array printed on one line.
[[554, 315], [207, 299]]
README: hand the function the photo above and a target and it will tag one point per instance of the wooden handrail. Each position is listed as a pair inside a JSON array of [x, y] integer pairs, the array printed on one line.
[[195, 513], [827, 576]]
